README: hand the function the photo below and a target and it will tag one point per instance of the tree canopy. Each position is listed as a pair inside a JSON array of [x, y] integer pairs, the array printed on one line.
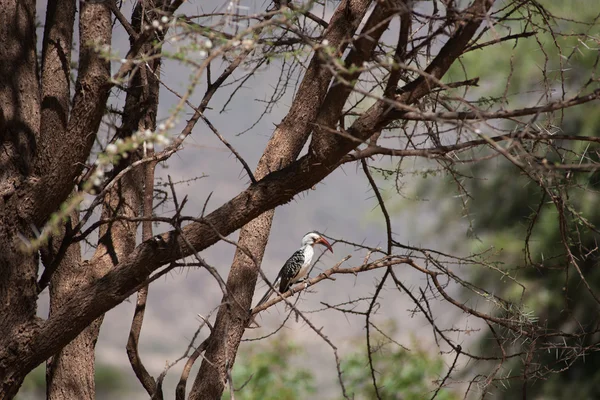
[[497, 98]]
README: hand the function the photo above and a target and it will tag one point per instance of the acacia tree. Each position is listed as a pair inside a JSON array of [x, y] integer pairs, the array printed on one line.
[[359, 89]]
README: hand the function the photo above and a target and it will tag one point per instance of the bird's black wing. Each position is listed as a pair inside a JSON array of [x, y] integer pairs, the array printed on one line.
[[290, 270]]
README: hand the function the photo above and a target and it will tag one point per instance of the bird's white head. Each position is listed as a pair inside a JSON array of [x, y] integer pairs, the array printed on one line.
[[312, 238]]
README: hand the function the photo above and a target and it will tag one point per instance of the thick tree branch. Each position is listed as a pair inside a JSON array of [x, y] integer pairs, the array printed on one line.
[[453, 48], [89, 102], [56, 81], [379, 115], [361, 52], [19, 133]]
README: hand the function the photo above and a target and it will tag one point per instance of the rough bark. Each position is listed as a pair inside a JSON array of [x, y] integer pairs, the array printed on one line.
[[92, 88], [27, 197], [19, 92], [56, 80], [65, 379], [71, 371], [19, 131]]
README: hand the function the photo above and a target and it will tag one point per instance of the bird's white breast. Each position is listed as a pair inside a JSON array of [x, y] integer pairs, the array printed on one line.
[[308, 252], [308, 255]]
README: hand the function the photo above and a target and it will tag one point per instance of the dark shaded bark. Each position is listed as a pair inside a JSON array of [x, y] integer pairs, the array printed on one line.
[[19, 132], [56, 81], [19, 93], [27, 197]]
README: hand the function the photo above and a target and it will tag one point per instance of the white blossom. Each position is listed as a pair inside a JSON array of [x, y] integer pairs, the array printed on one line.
[[247, 44], [112, 148], [162, 139]]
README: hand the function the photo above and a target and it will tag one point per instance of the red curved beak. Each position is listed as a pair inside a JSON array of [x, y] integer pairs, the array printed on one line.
[[325, 243]]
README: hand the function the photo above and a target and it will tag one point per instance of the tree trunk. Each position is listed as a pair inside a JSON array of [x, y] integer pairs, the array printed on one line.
[[70, 373], [38, 169], [19, 131]]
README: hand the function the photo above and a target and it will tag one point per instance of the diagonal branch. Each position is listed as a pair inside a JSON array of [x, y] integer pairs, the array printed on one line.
[[361, 52]]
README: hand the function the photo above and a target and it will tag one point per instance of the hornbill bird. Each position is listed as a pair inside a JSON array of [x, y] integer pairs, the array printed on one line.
[[296, 267]]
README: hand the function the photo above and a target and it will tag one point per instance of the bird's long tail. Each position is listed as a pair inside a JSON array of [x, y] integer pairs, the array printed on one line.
[[267, 295]]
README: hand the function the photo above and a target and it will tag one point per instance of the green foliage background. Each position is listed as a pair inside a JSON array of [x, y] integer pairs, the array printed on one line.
[[271, 370], [110, 383], [506, 209], [267, 370]]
